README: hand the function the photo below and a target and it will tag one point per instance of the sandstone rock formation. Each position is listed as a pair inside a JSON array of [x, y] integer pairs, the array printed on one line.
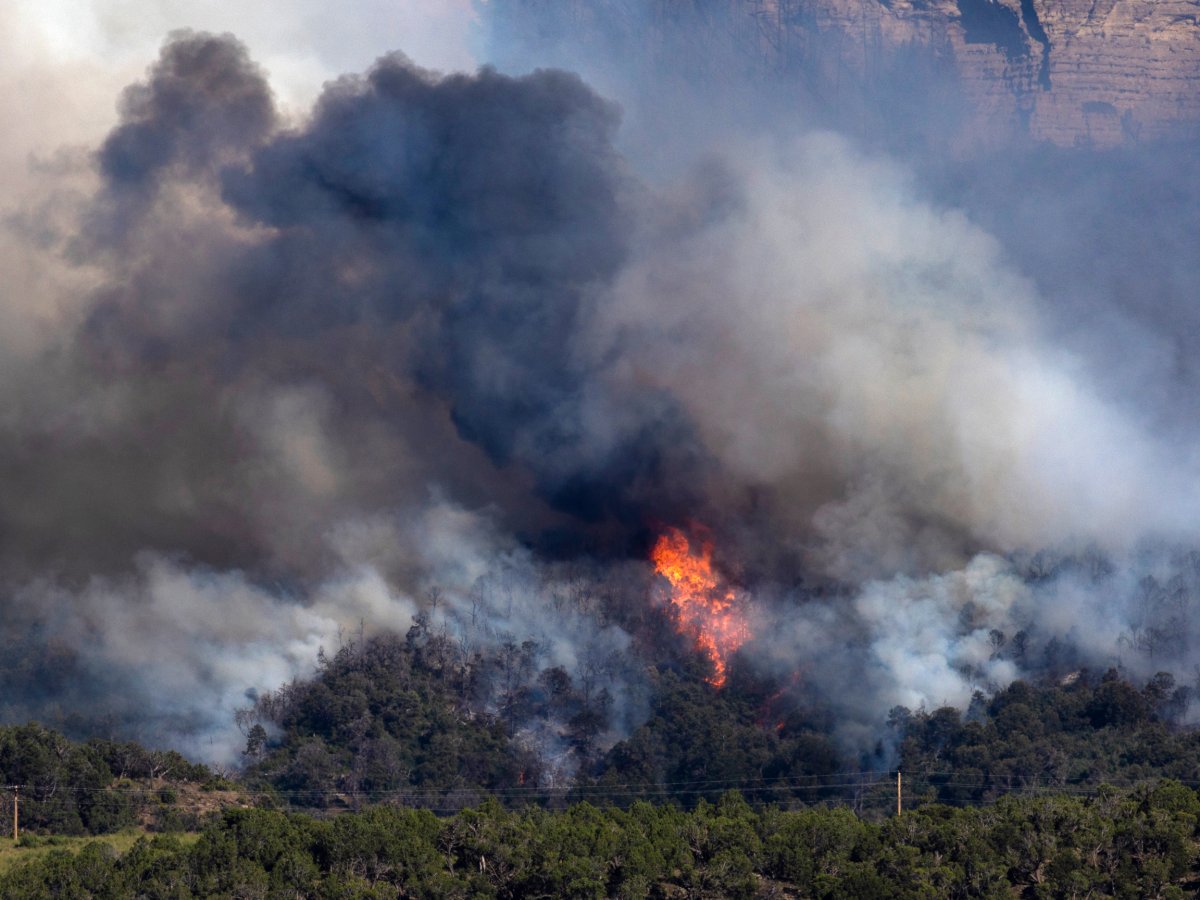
[[1071, 72], [1098, 72]]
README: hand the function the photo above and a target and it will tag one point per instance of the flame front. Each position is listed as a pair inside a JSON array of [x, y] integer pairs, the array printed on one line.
[[704, 608]]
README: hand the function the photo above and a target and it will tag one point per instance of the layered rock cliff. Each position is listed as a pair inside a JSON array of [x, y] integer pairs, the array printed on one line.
[[1091, 72], [1067, 71]]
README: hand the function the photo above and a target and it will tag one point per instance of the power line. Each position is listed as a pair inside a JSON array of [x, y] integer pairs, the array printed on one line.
[[868, 789]]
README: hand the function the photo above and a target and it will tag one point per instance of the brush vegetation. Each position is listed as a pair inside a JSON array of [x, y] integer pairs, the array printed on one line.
[[1140, 843], [380, 777]]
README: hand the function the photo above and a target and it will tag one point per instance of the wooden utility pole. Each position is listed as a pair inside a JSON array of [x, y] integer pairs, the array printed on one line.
[[898, 802], [16, 812]]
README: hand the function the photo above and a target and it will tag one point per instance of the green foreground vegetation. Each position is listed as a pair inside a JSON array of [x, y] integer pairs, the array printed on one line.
[[385, 775], [1118, 844], [33, 848]]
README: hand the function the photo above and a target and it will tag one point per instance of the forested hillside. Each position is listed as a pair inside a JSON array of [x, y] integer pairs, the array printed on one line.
[[1058, 737], [398, 719], [403, 720], [98, 786], [399, 785]]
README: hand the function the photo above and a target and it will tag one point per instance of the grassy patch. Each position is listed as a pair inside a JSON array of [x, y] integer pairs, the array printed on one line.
[[35, 846]]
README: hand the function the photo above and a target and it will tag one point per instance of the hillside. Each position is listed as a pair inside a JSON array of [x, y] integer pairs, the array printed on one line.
[[383, 723]]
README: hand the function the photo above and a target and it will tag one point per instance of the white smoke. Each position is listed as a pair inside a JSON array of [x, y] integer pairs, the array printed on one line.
[[873, 368], [179, 649]]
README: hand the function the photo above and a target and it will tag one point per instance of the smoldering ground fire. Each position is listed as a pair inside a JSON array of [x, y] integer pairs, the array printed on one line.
[[447, 350]]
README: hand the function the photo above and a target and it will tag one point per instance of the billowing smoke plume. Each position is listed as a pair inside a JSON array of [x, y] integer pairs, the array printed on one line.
[[455, 347], [295, 336]]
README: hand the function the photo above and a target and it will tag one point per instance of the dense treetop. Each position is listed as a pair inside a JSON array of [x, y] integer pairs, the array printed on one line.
[[1133, 844]]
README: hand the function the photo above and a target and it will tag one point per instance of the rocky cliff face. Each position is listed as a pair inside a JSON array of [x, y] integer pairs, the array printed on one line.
[[1117, 70], [1071, 72], [1097, 72]]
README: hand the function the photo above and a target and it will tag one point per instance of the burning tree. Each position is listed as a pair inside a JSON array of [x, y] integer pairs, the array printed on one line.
[[703, 606]]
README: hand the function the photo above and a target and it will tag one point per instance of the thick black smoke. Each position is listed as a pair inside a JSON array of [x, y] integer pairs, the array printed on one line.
[[300, 346], [204, 103], [480, 216], [288, 311]]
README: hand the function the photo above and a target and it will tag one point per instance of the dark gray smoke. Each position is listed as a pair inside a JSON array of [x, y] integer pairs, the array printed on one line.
[[293, 335], [473, 337]]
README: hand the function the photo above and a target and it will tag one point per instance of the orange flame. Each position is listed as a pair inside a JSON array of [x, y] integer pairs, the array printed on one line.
[[703, 607]]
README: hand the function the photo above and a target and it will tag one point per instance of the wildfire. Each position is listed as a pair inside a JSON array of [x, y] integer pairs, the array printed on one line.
[[704, 608]]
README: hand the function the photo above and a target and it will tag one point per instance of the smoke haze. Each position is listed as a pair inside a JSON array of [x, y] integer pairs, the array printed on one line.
[[273, 373]]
